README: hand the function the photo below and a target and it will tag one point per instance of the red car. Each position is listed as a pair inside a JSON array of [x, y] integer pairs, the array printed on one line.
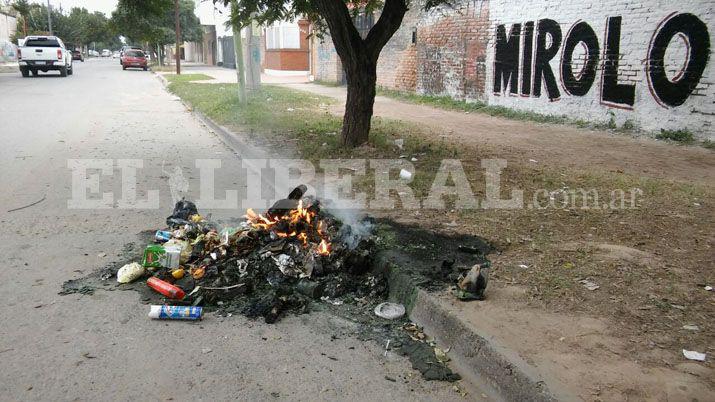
[[133, 58]]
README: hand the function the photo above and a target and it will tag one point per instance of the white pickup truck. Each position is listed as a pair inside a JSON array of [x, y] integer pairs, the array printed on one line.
[[44, 53]]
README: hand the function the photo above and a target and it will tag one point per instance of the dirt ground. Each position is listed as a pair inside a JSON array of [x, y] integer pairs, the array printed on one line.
[[651, 262], [549, 144], [647, 262]]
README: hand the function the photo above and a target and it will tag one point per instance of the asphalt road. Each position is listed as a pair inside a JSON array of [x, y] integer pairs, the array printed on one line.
[[103, 346]]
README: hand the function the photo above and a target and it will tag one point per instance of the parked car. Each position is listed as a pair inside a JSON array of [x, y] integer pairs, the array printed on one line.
[[77, 55], [106, 53], [93, 53], [44, 53], [124, 49], [115, 54], [133, 58]]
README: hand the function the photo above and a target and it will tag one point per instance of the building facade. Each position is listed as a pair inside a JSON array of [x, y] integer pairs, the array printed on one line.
[[646, 64], [8, 24]]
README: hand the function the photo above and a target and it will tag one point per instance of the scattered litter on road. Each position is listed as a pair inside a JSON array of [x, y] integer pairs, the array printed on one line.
[[693, 355], [130, 272], [269, 263], [589, 285], [691, 327], [472, 285], [165, 288], [390, 311], [441, 355], [423, 356], [175, 312], [400, 142], [708, 288], [405, 174], [28, 205], [523, 266]]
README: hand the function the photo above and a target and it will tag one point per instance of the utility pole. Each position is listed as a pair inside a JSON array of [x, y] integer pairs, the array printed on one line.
[[178, 37], [253, 59], [49, 16], [238, 49]]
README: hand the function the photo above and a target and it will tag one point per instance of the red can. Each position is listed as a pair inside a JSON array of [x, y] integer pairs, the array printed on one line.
[[165, 288]]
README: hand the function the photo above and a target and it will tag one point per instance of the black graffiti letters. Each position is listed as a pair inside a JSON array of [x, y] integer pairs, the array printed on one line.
[[695, 33], [506, 65], [523, 60], [526, 58], [579, 85], [544, 53], [611, 91]]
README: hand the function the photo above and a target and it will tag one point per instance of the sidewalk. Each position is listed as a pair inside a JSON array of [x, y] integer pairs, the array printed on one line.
[[228, 75], [546, 143]]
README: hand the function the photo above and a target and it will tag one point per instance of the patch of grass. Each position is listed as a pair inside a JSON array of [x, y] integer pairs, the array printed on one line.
[[708, 144], [187, 77], [156, 67], [628, 125], [327, 83], [287, 116], [446, 102], [682, 136]]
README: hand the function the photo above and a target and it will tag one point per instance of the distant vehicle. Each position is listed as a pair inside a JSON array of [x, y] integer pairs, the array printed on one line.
[[115, 54], [106, 53], [124, 49], [133, 58], [77, 55], [44, 53]]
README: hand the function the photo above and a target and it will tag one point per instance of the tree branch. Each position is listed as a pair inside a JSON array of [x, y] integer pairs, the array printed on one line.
[[389, 22], [346, 39]]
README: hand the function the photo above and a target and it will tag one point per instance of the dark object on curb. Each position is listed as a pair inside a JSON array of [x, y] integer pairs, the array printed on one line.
[[423, 359], [474, 283], [182, 211]]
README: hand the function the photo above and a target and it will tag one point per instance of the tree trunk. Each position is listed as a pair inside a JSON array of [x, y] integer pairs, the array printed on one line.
[[359, 103], [359, 59]]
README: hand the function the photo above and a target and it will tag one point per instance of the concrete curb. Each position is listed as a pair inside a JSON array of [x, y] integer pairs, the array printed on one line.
[[477, 358], [233, 141]]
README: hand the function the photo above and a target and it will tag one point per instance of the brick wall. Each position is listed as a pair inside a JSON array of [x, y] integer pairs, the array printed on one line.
[[656, 73], [286, 59]]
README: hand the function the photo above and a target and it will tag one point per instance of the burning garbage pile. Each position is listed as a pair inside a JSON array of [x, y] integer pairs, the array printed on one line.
[[272, 262]]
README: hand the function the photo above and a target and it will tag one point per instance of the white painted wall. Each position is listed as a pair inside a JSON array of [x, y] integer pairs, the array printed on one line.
[[640, 19]]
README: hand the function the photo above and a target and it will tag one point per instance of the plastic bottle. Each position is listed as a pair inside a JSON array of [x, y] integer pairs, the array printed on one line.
[[165, 288], [175, 312]]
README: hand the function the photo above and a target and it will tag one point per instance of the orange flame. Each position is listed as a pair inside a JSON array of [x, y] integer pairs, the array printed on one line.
[[299, 225], [324, 248]]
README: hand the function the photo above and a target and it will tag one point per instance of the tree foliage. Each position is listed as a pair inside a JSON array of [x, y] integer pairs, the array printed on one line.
[[152, 21], [358, 53], [76, 27]]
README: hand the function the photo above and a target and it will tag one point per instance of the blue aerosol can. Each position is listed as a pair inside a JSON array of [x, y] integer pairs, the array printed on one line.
[[176, 312]]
